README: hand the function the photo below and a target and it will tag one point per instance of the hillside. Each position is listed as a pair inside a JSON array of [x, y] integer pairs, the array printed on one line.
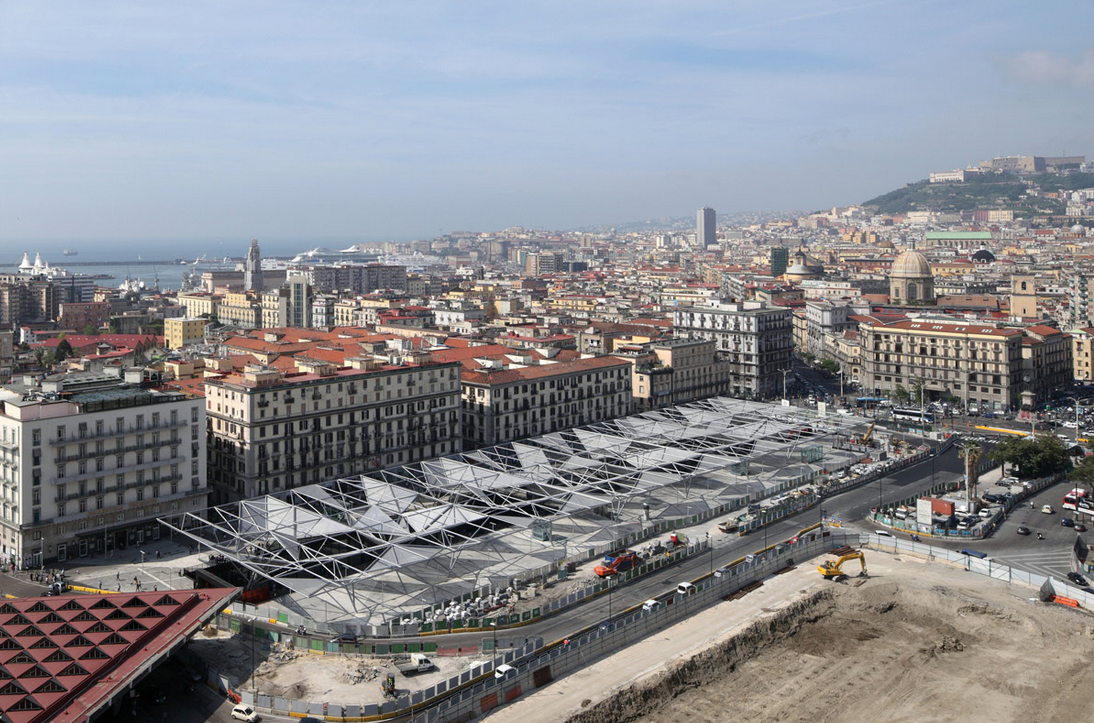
[[989, 192]]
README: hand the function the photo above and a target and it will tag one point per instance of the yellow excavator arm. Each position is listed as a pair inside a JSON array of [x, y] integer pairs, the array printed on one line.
[[834, 569]]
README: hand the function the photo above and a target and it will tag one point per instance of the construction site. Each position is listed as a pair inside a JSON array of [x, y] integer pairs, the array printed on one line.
[[448, 538], [915, 640]]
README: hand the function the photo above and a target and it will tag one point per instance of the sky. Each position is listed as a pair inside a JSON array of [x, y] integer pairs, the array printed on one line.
[[367, 120]]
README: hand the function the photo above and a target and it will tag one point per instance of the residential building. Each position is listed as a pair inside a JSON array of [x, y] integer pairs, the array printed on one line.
[[979, 363], [199, 303], [503, 402], [271, 430], [81, 314], [543, 263], [358, 279], [1047, 361], [824, 322], [1082, 354], [90, 461], [182, 331], [674, 372], [240, 309], [756, 340]]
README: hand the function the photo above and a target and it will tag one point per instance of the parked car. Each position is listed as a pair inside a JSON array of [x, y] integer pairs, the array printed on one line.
[[1067, 522], [1080, 527], [1077, 579]]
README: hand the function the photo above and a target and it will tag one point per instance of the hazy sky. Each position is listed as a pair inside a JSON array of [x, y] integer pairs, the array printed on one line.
[[375, 120]]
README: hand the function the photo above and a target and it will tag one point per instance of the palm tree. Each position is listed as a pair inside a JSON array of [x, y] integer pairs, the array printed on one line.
[[970, 452]]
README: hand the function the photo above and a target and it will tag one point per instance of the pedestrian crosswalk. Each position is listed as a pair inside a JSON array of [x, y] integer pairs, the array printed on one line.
[[1051, 563]]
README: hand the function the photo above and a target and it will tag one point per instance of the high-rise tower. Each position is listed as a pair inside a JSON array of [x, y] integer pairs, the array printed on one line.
[[707, 227], [252, 268]]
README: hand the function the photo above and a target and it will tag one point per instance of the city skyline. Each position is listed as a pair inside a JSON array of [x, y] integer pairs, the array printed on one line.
[[264, 121]]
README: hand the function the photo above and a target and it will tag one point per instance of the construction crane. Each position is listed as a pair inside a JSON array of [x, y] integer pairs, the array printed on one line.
[[866, 437], [833, 569]]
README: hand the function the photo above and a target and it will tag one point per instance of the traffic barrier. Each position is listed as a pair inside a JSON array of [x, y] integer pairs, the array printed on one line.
[[470, 694]]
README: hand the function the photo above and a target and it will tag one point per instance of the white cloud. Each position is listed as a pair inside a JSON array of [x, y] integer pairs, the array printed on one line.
[[1042, 66]]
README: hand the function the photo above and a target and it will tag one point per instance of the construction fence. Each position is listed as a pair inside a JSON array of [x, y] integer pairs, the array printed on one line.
[[475, 692]]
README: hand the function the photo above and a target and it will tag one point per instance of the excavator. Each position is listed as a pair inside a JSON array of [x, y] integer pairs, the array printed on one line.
[[866, 437], [833, 569]]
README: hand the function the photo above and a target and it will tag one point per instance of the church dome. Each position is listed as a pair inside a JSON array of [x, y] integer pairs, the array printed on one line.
[[983, 256], [911, 265]]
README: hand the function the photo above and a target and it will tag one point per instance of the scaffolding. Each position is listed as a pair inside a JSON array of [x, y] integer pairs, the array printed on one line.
[[372, 548]]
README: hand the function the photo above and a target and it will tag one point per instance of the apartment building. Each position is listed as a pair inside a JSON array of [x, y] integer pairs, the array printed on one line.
[[756, 339], [183, 331], [199, 303], [82, 314], [269, 430], [979, 363], [1082, 354], [824, 323], [90, 461], [1047, 361], [240, 308], [675, 372], [505, 402], [358, 279]]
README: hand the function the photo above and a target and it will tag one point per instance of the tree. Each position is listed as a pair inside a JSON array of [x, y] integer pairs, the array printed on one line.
[[900, 394], [90, 330], [830, 366], [64, 350], [970, 452], [1038, 456], [915, 394], [1083, 473]]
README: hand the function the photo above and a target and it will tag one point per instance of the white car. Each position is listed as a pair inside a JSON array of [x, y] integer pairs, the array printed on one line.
[[245, 713], [1047, 509]]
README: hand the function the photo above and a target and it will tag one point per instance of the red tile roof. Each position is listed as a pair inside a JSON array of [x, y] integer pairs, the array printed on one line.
[[67, 657]]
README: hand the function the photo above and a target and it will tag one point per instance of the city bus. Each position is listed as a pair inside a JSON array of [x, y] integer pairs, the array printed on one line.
[[914, 415], [1077, 501]]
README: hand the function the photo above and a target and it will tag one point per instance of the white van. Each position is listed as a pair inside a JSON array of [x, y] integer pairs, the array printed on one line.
[[245, 713], [684, 589], [651, 604]]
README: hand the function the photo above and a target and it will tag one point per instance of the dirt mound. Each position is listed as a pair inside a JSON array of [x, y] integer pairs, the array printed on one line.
[[887, 650]]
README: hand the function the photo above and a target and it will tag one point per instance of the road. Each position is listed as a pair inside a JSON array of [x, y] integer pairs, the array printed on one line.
[[19, 587], [1047, 556]]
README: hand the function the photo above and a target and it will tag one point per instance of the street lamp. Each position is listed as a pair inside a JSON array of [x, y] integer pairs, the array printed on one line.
[[710, 548], [785, 372], [494, 629], [254, 634]]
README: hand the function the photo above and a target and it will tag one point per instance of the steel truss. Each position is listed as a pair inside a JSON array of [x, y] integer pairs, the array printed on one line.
[[375, 546]]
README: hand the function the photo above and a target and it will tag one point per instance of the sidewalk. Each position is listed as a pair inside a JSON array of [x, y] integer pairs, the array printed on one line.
[[125, 570]]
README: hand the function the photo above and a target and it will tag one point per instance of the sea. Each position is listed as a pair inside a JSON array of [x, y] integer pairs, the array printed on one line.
[[150, 260]]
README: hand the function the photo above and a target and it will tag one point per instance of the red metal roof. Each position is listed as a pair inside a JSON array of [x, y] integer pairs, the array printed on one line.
[[71, 655]]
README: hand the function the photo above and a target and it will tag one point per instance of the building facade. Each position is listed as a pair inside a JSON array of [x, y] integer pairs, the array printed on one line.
[[979, 364], [271, 431], [756, 339], [89, 463], [503, 404], [182, 331], [706, 227]]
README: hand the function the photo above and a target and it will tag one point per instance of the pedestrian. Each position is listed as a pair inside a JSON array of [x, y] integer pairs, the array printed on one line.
[[118, 575], [157, 554]]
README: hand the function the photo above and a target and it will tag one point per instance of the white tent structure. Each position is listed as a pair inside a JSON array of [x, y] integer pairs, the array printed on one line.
[[377, 547]]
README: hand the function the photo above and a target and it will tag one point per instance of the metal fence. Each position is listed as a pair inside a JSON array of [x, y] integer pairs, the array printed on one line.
[[474, 692], [986, 566]]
